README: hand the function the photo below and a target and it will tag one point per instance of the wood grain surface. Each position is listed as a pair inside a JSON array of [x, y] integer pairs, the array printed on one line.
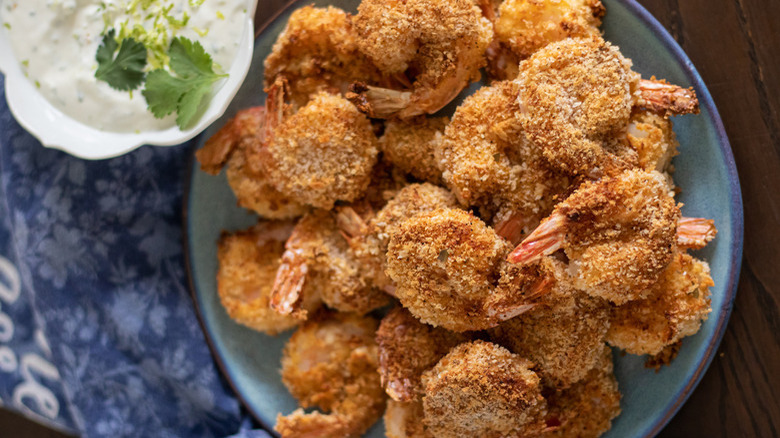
[[735, 45]]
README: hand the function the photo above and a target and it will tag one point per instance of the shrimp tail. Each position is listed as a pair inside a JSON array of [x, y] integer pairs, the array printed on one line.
[[215, 153], [275, 106], [667, 99], [350, 223], [511, 228], [544, 240], [287, 290], [695, 233], [378, 102]]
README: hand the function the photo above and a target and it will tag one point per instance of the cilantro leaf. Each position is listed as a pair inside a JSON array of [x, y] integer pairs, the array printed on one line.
[[184, 92], [125, 72]]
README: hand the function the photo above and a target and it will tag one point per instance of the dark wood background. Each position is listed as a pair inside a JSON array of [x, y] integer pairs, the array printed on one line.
[[735, 45]]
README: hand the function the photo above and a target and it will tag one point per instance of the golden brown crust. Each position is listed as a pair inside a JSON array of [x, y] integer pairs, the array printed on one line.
[[654, 141], [411, 146], [248, 261], [233, 144], [441, 43], [407, 348], [405, 420], [481, 389], [563, 335], [330, 362], [575, 95], [322, 154], [445, 264], [675, 307], [586, 409], [318, 51]]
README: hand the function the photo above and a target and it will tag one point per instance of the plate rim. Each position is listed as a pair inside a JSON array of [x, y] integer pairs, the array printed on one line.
[[737, 227]]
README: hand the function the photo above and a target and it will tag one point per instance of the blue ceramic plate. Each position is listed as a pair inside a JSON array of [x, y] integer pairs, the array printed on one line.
[[705, 171]]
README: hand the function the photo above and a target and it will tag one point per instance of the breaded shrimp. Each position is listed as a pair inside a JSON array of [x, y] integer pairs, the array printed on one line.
[[575, 96], [675, 308], [411, 146], [695, 232], [619, 234], [447, 265], [488, 162], [233, 144], [323, 153], [405, 420], [330, 362], [481, 389], [666, 99], [248, 261], [318, 51], [563, 335], [369, 238], [318, 262], [439, 44], [525, 26], [654, 140], [407, 348], [587, 408]]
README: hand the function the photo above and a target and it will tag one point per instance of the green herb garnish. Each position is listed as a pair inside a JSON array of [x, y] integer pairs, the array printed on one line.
[[184, 92], [124, 72]]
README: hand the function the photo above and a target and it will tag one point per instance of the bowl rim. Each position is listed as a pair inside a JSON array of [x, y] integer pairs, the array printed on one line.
[[87, 142], [737, 227]]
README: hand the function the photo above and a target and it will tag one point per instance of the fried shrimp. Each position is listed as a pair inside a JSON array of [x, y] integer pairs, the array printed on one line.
[[587, 408], [481, 389], [575, 97], [407, 348], [248, 261], [447, 266], [323, 153], [411, 146], [488, 163], [675, 308], [618, 233], [439, 44], [233, 144], [654, 140], [330, 362], [369, 239], [563, 335], [318, 51], [317, 262], [525, 26], [405, 420]]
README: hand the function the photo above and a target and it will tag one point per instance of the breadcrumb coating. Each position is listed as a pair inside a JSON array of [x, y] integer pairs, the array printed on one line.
[[674, 308], [526, 26], [407, 348], [233, 144], [619, 233], [411, 146], [330, 362], [248, 261], [563, 335], [318, 51], [318, 252], [439, 44], [575, 95], [323, 153], [482, 389], [488, 162], [445, 264], [405, 420], [369, 241], [587, 408], [654, 140]]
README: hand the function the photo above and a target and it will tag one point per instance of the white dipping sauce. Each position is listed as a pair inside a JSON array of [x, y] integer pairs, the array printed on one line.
[[56, 42]]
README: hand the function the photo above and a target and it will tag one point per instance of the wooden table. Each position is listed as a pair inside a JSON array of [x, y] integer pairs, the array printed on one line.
[[735, 45]]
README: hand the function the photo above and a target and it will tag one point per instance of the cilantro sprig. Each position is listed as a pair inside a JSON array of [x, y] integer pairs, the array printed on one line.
[[184, 92], [181, 89], [124, 72]]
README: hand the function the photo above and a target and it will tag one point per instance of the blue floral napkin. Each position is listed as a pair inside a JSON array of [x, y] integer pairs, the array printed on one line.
[[98, 334]]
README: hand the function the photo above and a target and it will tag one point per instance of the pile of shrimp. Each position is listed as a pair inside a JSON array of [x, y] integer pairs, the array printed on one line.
[[461, 275]]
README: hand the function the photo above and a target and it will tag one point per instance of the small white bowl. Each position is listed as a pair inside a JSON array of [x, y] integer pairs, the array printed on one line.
[[56, 130]]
